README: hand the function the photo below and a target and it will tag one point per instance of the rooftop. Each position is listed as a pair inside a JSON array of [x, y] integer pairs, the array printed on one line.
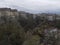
[[7, 9]]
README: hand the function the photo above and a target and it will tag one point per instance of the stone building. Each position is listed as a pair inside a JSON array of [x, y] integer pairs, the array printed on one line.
[[8, 12], [49, 17], [58, 17]]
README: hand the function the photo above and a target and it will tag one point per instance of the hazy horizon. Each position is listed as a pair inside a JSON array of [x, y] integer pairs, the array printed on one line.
[[33, 6]]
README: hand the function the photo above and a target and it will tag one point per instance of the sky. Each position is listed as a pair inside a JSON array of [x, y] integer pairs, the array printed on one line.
[[34, 6]]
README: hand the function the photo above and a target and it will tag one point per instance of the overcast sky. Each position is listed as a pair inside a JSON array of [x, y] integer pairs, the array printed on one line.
[[32, 5]]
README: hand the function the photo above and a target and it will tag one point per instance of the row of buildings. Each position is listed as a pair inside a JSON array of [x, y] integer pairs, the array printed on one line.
[[49, 17], [14, 12]]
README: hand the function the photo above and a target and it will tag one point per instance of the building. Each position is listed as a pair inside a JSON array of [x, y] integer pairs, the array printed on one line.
[[49, 17], [8, 12]]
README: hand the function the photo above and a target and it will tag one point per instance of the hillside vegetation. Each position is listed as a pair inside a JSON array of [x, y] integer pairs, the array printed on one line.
[[31, 31]]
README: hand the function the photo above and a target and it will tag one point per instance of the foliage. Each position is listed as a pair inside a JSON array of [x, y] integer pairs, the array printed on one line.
[[26, 31]]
